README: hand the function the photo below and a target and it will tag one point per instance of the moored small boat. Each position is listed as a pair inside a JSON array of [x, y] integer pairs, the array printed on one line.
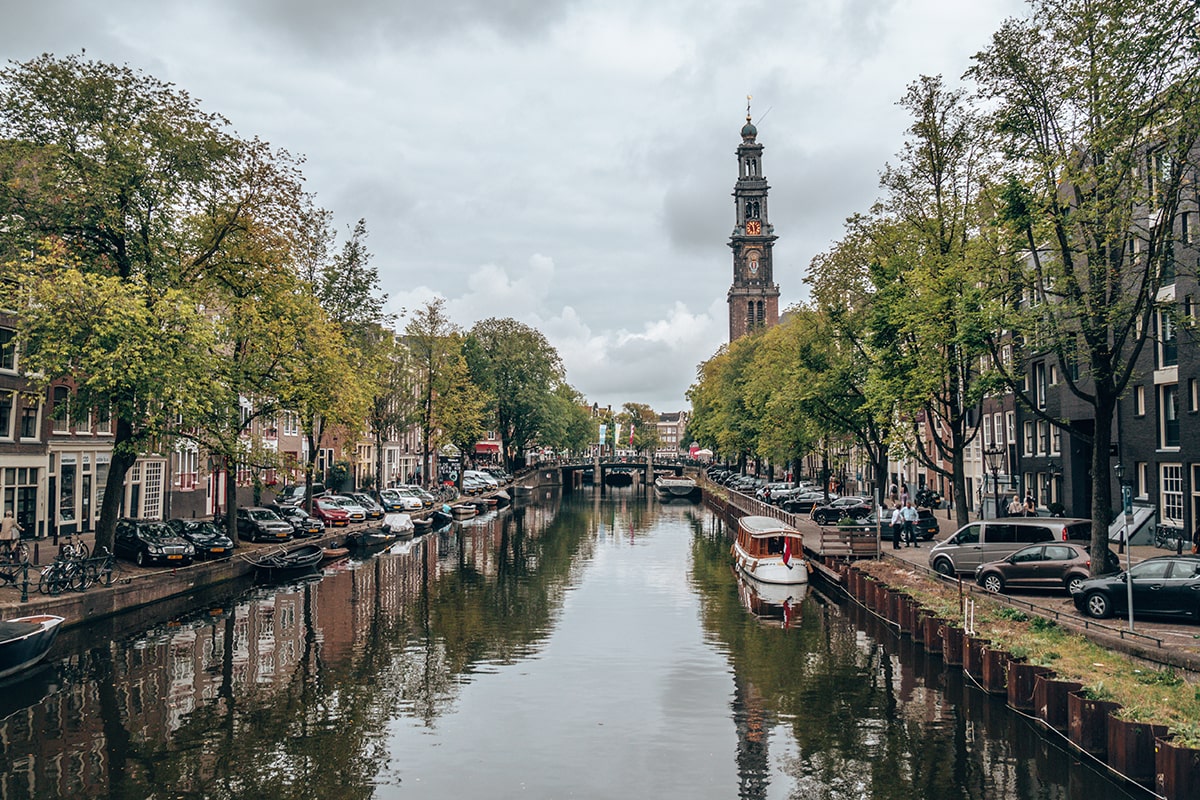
[[522, 490], [463, 511], [670, 486], [399, 525], [24, 641], [276, 564], [441, 518], [422, 525], [502, 498], [335, 553], [770, 551]]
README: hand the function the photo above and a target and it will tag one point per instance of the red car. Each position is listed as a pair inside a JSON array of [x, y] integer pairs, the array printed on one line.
[[330, 512]]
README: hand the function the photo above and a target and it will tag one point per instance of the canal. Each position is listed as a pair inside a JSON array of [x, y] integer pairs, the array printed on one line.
[[580, 646]]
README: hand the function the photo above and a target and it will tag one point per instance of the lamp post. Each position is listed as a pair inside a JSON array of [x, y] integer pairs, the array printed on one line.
[[994, 456]]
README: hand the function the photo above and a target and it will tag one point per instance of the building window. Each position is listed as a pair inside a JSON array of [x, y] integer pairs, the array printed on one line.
[[1053, 374], [1043, 440], [1055, 440], [62, 411], [1039, 383], [1169, 414], [29, 421], [1168, 352], [1139, 401], [1028, 438], [1010, 423], [1186, 223], [6, 415], [997, 421], [987, 432], [1141, 484], [189, 466], [1193, 396], [1171, 494], [8, 350], [103, 421]]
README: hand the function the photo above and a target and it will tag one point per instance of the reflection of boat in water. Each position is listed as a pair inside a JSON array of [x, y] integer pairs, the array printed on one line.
[[24, 641], [523, 490], [670, 487], [773, 603], [770, 551], [441, 518]]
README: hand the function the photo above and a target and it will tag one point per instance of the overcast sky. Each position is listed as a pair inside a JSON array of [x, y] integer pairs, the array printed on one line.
[[568, 163]]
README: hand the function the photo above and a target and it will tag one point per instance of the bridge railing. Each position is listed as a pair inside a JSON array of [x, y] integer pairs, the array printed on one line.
[[832, 541]]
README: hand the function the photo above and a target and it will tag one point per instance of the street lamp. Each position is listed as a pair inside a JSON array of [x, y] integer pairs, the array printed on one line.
[[1119, 470], [994, 456]]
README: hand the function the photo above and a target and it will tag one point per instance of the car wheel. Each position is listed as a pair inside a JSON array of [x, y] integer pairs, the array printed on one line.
[[140, 558], [1075, 583], [1098, 605], [943, 567], [993, 583]]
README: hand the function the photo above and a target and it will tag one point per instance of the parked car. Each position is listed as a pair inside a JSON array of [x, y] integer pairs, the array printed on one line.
[[145, 542], [853, 507], [373, 509], [989, 540], [1043, 566], [357, 512], [206, 539], [427, 498], [331, 513], [803, 503], [303, 524], [399, 499], [927, 524], [488, 481], [294, 495], [1162, 585], [256, 523]]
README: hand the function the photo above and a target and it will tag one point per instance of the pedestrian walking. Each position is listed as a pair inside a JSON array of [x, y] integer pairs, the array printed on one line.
[[909, 515], [1015, 507], [1030, 506], [897, 526]]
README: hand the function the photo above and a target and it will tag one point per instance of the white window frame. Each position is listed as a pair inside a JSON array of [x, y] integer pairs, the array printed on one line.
[[1170, 494]]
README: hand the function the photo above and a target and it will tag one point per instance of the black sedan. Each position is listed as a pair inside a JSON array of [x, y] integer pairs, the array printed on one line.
[[146, 542], [303, 524], [262, 523], [1163, 585], [802, 503], [856, 508], [207, 539]]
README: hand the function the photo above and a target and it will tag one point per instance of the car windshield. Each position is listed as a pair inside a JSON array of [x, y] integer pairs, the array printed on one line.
[[202, 528], [262, 514], [155, 530]]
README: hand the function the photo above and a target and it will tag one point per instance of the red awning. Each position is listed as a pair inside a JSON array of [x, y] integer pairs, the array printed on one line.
[[485, 447]]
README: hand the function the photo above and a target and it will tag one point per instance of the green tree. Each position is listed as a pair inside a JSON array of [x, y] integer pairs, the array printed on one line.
[[466, 410], [569, 425], [130, 179], [929, 318], [642, 422], [1097, 106], [434, 344], [515, 365]]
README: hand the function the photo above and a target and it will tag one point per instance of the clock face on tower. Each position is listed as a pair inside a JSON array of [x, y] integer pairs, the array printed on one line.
[[753, 227]]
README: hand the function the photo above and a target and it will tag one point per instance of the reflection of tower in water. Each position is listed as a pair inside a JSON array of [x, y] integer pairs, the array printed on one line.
[[753, 756]]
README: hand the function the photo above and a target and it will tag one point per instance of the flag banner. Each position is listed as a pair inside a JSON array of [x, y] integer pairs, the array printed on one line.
[[603, 431], [631, 434], [787, 552]]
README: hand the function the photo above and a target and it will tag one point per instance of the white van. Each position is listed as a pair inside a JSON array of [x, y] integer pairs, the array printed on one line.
[[991, 540], [483, 477]]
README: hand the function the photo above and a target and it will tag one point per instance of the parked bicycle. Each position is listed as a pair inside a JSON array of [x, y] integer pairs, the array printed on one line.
[[1168, 537], [14, 552], [72, 548]]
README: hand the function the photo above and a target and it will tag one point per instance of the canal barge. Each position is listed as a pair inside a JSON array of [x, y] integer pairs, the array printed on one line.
[[670, 487], [770, 551]]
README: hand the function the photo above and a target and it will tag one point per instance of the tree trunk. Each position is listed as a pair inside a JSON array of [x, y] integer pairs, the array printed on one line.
[[114, 491], [231, 498], [1105, 407]]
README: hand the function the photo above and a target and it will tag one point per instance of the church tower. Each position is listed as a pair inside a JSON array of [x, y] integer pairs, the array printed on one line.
[[753, 297]]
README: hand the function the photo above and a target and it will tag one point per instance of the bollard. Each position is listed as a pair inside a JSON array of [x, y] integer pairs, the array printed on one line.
[[25, 583]]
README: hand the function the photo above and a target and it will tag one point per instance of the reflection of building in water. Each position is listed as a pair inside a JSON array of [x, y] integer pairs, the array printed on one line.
[[249, 651], [753, 753]]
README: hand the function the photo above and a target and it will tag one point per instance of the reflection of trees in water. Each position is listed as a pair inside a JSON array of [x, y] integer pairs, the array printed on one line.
[[867, 713], [294, 688]]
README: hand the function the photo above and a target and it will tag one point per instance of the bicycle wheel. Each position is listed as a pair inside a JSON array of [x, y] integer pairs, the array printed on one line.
[[82, 577], [104, 575], [23, 553], [56, 581]]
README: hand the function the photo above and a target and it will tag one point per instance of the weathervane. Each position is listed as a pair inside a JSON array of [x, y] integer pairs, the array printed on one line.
[[748, 98]]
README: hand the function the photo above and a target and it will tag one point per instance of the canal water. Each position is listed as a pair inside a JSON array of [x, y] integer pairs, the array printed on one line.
[[576, 647]]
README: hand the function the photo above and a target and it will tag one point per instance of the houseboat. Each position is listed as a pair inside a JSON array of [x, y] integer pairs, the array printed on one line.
[[770, 551], [669, 487]]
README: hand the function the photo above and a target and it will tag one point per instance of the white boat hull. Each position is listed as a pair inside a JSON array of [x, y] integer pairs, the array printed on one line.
[[771, 569]]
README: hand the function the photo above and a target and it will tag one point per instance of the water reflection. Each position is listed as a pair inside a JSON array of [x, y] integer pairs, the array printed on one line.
[[608, 633]]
